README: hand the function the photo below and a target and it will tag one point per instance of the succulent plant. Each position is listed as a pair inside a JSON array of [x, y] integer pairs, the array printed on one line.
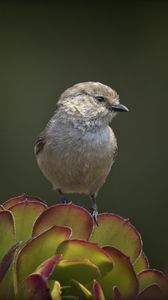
[[58, 253]]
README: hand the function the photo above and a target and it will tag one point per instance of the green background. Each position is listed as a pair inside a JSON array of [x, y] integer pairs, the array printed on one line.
[[45, 48]]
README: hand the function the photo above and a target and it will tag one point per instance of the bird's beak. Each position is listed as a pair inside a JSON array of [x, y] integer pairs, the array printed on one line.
[[119, 107]]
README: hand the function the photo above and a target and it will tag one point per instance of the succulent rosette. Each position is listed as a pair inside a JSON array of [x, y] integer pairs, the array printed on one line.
[[58, 253]]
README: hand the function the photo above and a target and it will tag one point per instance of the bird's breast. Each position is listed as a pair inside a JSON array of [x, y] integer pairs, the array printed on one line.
[[87, 147], [79, 161]]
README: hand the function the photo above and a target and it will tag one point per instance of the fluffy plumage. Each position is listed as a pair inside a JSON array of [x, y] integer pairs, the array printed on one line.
[[77, 148]]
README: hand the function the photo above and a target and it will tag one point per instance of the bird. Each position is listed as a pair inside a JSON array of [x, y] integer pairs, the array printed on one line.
[[78, 147]]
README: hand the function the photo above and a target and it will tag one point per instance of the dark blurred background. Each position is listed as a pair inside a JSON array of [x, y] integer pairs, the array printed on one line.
[[45, 48]]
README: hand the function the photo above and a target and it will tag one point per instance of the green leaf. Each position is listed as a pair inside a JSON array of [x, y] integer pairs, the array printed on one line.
[[7, 275], [117, 232], [7, 232], [39, 249], [141, 263], [25, 214], [77, 269], [7, 261], [121, 276], [97, 290], [7, 286], [69, 215], [77, 249], [34, 287], [150, 277], [56, 291], [80, 290]]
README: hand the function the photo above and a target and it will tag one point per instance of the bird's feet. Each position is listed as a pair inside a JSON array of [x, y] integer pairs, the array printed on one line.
[[94, 210], [94, 214], [63, 198]]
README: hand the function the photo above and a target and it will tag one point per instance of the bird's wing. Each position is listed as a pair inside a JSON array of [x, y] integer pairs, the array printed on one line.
[[39, 144]]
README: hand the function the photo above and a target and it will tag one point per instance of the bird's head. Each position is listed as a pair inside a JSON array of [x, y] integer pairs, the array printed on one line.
[[91, 102]]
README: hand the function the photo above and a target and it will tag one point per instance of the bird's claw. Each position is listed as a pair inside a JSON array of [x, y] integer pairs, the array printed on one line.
[[94, 214], [64, 199]]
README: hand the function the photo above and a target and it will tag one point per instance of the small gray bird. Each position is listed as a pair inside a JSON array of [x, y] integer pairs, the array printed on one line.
[[77, 148]]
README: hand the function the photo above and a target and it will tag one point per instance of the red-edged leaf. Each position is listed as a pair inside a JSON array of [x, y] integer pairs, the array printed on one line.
[[39, 249], [7, 232], [152, 292], [25, 214], [121, 276], [48, 266], [141, 263], [117, 232], [77, 249], [69, 215], [151, 277], [14, 200], [97, 291], [34, 287]]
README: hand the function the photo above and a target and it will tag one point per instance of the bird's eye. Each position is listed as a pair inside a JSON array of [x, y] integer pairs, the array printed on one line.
[[100, 98]]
